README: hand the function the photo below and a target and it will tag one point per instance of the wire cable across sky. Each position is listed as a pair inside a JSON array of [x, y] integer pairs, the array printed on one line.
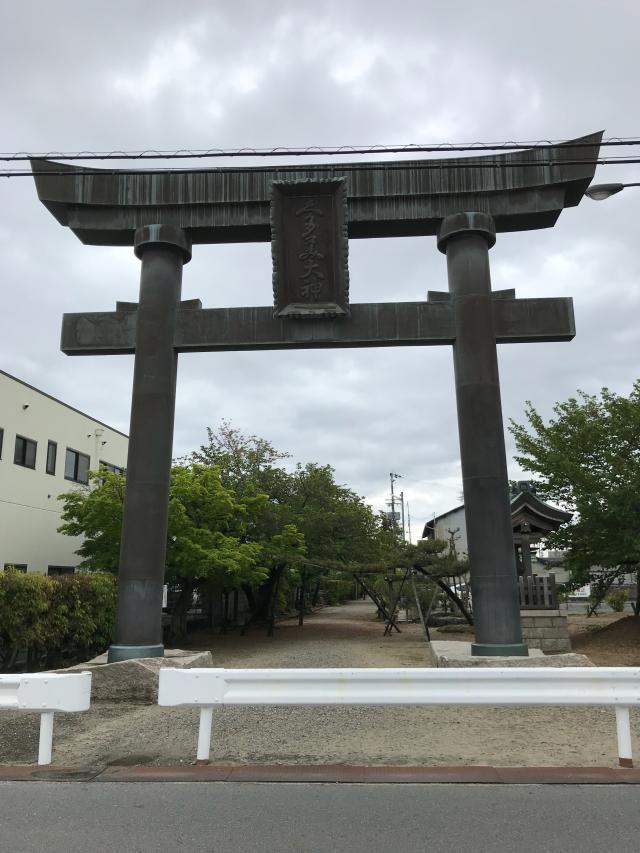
[[308, 151], [325, 151], [431, 165]]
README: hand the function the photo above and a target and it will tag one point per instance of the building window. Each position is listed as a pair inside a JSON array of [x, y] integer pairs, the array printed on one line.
[[56, 571], [52, 452], [19, 567], [114, 469], [76, 466], [1, 441], [25, 452]]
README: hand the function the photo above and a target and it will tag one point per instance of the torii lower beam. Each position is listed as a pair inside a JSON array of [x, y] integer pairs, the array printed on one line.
[[384, 324]]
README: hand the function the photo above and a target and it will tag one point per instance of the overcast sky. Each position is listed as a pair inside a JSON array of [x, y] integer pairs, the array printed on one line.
[[131, 76]]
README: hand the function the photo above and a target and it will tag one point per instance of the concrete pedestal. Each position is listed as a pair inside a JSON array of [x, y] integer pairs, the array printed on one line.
[[546, 630], [135, 680], [457, 654]]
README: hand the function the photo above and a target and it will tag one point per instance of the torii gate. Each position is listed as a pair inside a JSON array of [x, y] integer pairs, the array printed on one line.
[[309, 212]]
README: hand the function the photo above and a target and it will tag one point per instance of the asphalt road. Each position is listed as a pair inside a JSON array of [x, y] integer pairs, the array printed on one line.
[[304, 818]]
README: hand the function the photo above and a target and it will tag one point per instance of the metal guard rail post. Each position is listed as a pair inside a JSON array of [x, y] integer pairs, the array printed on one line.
[[208, 688], [45, 693]]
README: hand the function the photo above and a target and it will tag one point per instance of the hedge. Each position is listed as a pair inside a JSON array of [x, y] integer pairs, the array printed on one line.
[[51, 622]]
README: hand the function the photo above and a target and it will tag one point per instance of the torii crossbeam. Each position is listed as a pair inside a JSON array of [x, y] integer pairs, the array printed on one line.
[[309, 212], [384, 324]]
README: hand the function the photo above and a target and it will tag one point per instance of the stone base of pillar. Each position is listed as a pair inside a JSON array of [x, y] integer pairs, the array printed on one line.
[[499, 650], [456, 654], [135, 680], [118, 653]]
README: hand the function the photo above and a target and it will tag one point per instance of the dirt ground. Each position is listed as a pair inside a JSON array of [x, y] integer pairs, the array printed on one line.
[[392, 735], [609, 640]]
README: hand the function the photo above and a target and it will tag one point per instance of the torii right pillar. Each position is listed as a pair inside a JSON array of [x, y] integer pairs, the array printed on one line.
[[466, 238]]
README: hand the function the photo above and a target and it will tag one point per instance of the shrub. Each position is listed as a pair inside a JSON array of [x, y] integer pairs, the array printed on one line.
[[82, 613], [24, 604], [337, 590], [455, 629], [617, 599], [54, 620]]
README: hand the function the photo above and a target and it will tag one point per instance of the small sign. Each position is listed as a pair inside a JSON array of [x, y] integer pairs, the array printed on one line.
[[309, 248]]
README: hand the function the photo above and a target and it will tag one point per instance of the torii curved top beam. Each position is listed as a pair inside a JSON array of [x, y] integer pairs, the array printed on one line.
[[521, 190]]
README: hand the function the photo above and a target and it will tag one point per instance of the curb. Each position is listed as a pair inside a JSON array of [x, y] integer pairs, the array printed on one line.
[[328, 773]]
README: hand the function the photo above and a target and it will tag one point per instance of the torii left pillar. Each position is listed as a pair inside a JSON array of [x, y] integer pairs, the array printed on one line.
[[163, 250]]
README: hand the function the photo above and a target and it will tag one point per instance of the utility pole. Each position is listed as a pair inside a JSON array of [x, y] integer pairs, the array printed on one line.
[[404, 538], [393, 504], [393, 477], [409, 521]]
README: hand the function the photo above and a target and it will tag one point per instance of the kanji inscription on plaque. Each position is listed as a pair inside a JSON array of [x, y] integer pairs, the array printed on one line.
[[309, 249]]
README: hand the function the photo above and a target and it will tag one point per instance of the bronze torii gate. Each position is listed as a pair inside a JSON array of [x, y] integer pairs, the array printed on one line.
[[309, 212]]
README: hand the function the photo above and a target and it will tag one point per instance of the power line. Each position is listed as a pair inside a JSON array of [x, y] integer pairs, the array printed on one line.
[[310, 151], [417, 165], [30, 506]]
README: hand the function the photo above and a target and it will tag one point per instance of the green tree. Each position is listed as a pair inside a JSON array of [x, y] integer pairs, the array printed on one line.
[[338, 526], [206, 545], [250, 468], [239, 519], [244, 461], [338, 529], [342, 533], [95, 513], [438, 563], [587, 459]]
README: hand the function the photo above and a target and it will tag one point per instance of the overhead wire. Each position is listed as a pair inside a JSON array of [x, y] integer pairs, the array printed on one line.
[[311, 150], [417, 165], [314, 151]]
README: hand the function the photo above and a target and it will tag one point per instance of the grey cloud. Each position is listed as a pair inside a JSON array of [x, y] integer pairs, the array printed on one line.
[[253, 74]]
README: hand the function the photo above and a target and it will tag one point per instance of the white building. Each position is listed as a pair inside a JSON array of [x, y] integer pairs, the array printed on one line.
[[532, 519], [450, 526], [46, 448]]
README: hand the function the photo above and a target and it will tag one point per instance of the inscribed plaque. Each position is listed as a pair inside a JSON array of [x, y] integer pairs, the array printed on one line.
[[309, 248]]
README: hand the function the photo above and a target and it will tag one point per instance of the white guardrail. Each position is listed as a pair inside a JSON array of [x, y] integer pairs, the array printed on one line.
[[45, 693], [208, 688]]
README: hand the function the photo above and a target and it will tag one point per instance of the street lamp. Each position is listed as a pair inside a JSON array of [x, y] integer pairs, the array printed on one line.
[[598, 192]]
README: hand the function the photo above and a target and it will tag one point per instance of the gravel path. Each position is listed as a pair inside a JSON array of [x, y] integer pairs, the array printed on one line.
[[395, 735]]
